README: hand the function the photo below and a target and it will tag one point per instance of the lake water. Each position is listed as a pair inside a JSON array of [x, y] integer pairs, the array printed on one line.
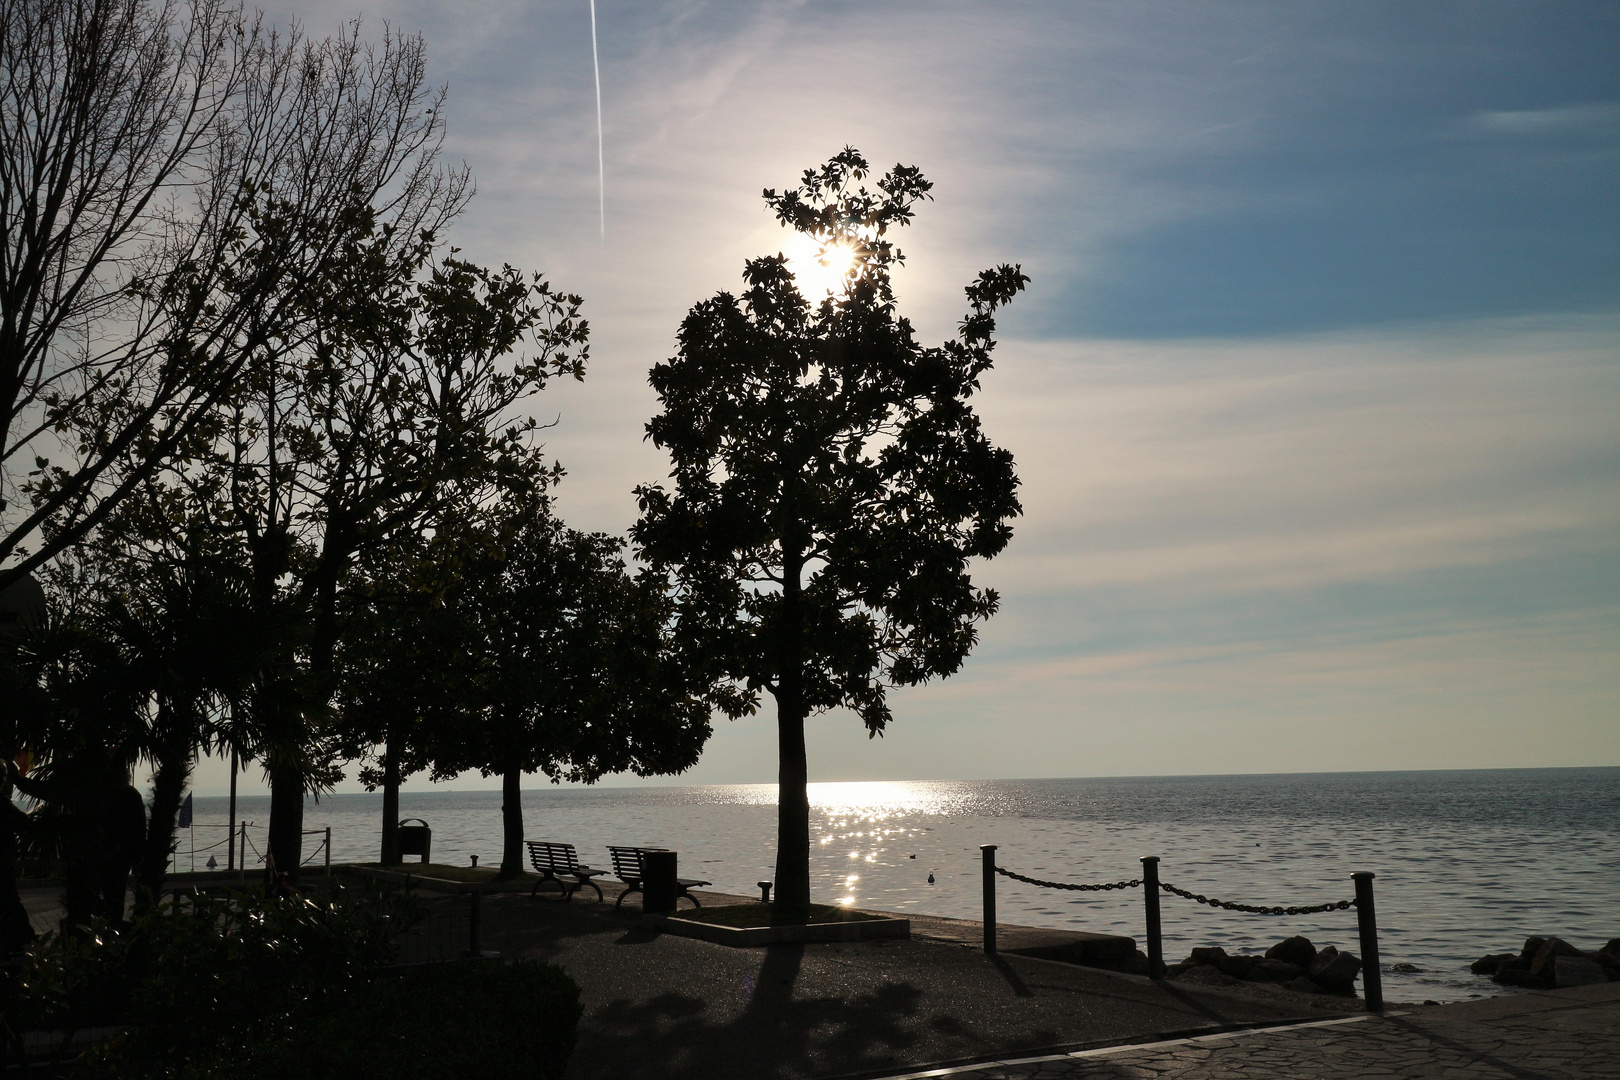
[[1467, 862]]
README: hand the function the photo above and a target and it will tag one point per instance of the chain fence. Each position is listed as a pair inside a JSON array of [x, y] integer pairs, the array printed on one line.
[[1069, 886], [1151, 886], [1228, 905]]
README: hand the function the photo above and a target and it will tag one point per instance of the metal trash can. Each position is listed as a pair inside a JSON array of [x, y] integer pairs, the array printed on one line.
[[659, 887], [415, 839]]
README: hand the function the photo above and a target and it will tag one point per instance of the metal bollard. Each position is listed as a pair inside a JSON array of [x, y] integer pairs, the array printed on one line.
[[988, 851], [1372, 980], [1150, 900], [328, 847]]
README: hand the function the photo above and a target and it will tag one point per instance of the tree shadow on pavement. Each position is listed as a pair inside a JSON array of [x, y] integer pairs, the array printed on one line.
[[775, 1035]]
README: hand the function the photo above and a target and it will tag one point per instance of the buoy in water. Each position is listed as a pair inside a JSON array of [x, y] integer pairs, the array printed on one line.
[[930, 879]]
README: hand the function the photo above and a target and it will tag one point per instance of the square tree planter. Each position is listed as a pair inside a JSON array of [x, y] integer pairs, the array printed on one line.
[[875, 928]]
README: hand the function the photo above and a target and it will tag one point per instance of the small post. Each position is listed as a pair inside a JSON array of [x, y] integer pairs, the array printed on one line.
[[1372, 980], [242, 865], [1150, 900], [988, 852], [475, 924], [230, 815], [329, 851]]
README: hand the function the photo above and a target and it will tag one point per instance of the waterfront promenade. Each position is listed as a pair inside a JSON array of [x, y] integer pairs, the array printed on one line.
[[662, 1006]]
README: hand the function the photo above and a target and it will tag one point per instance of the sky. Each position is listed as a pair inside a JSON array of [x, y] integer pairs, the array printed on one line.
[[1313, 393]]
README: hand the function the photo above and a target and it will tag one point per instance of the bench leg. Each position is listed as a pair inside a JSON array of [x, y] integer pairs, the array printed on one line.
[[548, 880], [629, 887], [593, 885]]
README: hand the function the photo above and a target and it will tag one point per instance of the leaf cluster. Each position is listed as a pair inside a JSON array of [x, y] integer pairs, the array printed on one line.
[[831, 479]]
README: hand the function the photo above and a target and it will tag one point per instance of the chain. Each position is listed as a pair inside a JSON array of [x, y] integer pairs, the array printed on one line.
[[1317, 909], [1067, 885]]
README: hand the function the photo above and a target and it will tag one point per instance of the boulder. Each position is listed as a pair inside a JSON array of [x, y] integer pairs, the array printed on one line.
[[1335, 970], [1406, 969], [1532, 945], [1577, 971], [1238, 967], [1278, 971], [1295, 950], [1487, 965], [1541, 965], [1208, 954], [1517, 974], [1303, 985], [1609, 955]]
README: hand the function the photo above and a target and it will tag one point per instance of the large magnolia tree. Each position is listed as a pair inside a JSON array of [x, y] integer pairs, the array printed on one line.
[[831, 481]]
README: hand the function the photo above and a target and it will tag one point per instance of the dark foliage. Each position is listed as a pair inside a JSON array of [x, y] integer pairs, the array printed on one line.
[[831, 480]]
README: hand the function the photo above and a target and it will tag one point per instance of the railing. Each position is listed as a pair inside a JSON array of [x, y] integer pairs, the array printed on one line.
[[1366, 920]]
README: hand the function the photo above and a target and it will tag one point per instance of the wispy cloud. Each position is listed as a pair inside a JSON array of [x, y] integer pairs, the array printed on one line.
[[1592, 119]]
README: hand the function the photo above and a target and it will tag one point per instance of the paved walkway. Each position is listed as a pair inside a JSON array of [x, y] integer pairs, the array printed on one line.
[[665, 1007], [1552, 1035]]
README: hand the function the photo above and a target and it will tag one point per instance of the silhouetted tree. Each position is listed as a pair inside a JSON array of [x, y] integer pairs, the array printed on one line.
[[563, 663], [177, 181], [831, 481]]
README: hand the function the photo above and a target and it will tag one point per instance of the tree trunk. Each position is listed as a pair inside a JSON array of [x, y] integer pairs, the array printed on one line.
[[793, 769], [286, 820], [792, 804], [168, 785], [511, 823], [390, 809]]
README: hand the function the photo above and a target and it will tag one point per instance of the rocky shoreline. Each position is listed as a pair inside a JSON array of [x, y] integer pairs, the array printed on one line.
[[1293, 963], [1548, 963]]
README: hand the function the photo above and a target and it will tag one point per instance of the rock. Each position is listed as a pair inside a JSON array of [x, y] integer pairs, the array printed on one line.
[[1516, 974], [1577, 971], [1406, 969], [1303, 985], [1335, 970], [1207, 975], [1208, 954], [1541, 965], [1487, 965], [1532, 945], [1609, 955], [1295, 950], [1238, 967], [1264, 969]]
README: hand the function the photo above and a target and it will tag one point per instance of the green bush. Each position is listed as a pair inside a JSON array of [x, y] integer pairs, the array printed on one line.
[[255, 986], [476, 1018]]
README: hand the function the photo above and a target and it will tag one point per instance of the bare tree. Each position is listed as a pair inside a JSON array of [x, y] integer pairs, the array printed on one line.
[[176, 184]]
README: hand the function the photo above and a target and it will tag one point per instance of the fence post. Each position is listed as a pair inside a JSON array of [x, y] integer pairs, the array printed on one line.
[[988, 851], [1372, 980], [1150, 900], [329, 851], [475, 924], [242, 865]]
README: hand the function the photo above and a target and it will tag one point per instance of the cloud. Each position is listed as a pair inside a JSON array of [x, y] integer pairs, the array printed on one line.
[[1599, 119], [1312, 394]]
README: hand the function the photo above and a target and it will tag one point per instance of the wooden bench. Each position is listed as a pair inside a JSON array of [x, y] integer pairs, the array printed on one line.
[[627, 868], [554, 862]]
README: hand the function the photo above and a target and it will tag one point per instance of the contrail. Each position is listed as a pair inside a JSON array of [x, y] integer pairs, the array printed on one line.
[[601, 169]]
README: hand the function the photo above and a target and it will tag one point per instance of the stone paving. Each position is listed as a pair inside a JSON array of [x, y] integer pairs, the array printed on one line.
[[1553, 1035]]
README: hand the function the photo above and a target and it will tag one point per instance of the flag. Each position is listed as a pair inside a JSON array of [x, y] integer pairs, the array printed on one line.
[[185, 813]]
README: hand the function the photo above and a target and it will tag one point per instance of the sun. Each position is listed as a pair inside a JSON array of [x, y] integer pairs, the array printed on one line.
[[818, 276]]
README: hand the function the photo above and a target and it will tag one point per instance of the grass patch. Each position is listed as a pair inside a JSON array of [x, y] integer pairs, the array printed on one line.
[[749, 915]]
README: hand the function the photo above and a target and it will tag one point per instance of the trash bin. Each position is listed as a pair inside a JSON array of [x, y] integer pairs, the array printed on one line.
[[658, 883], [415, 839]]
